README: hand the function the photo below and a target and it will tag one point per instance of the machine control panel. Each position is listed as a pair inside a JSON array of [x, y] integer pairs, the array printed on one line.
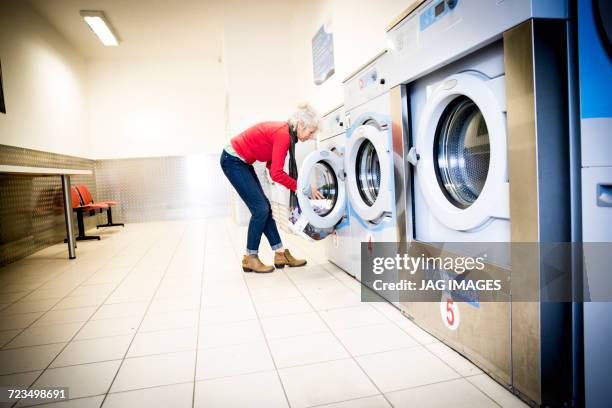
[[334, 123], [440, 31], [435, 12], [368, 79], [369, 82]]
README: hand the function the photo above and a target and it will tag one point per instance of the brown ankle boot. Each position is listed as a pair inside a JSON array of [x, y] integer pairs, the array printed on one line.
[[251, 263], [285, 258]]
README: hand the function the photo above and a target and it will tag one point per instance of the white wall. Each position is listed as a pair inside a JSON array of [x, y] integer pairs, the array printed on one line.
[[156, 107], [258, 54], [359, 29], [44, 85]]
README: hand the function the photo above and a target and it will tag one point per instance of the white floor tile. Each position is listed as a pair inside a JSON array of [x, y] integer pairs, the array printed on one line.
[[175, 396], [93, 350], [293, 325], [420, 335], [233, 360], [309, 318], [28, 358], [72, 302], [8, 335], [170, 320], [374, 339], [355, 316], [54, 317], [227, 334], [101, 290], [153, 371], [313, 348], [273, 293], [227, 314], [22, 380], [321, 287], [325, 383], [82, 380], [39, 294], [457, 393], [35, 336], [332, 300], [454, 359], [406, 368], [251, 390], [18, 321], [118, 310], [108, 327], [30, 306], [495, 391], [283, 307], [87, 402], [166, 305], [370, 402], [167, 341]]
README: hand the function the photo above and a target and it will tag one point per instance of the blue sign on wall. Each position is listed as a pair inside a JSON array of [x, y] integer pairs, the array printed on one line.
[[322, 55]]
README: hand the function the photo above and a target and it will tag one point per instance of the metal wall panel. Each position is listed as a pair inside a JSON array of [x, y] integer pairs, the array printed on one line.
[[149, 189], [31, 215], [164, 188]]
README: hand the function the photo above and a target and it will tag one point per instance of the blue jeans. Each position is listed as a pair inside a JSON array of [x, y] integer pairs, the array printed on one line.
[[245, 181]]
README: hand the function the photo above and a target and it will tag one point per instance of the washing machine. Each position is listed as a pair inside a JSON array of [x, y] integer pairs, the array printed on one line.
[[332, 138], [367, 175], [595, 67], [475, 138]]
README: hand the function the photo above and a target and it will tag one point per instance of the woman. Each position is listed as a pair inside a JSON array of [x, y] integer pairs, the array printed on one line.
[[266, 142]]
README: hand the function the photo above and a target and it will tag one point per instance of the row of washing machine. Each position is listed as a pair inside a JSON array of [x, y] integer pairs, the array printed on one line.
[[464, 130]]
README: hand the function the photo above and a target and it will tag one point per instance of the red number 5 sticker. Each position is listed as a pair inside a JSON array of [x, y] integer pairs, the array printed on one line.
[[449, 312]]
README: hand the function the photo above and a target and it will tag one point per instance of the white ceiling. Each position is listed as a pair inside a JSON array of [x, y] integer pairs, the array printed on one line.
[[146, 28]]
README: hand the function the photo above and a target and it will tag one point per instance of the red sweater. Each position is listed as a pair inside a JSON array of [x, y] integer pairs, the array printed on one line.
[[267, 142]]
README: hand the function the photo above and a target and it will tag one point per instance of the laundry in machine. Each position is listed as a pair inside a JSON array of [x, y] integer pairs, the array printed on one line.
[[475, 141]]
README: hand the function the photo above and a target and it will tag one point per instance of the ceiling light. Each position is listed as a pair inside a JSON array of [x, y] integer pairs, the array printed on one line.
[[100, 26]]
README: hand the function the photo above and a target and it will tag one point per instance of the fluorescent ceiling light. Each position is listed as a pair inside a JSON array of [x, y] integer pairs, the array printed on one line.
[[100, 26]]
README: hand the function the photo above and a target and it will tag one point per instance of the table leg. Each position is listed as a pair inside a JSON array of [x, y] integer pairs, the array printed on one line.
[[68, 215]]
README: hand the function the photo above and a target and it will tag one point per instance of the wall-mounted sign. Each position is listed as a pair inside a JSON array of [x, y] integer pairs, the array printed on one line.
[[323, 54], [2, 107]]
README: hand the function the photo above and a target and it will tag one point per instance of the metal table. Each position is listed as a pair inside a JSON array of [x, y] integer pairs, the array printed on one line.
[[65, 176]]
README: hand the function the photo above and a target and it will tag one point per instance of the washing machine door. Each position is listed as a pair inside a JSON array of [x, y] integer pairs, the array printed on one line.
[[462, 150], [322, 170], [369, 168]]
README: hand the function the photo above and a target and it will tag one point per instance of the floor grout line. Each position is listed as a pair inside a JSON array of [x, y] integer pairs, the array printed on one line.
[[202, 272], [183, 233], [237, 257], [66, 270], [208, 277], [344, 346], [66, 344], [110, 294]]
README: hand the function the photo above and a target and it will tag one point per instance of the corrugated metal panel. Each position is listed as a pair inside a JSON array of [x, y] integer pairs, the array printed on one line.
[[31, 216], [164, 188]]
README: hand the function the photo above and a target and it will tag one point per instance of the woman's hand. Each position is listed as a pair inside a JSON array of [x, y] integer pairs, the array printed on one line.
[[315, 194]]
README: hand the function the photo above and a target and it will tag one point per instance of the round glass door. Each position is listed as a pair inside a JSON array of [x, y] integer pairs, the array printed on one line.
[[462, 152], [323, 188], [368, 172]]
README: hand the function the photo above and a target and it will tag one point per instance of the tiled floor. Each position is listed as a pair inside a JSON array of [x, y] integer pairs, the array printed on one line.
[[161, 315]]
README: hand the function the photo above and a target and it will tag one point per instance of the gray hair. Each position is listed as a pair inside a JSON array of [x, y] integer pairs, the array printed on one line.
[[306, 115]]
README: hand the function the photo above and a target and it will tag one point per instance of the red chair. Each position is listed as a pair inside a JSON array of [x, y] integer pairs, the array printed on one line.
[[87, 199], [81, 209]]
